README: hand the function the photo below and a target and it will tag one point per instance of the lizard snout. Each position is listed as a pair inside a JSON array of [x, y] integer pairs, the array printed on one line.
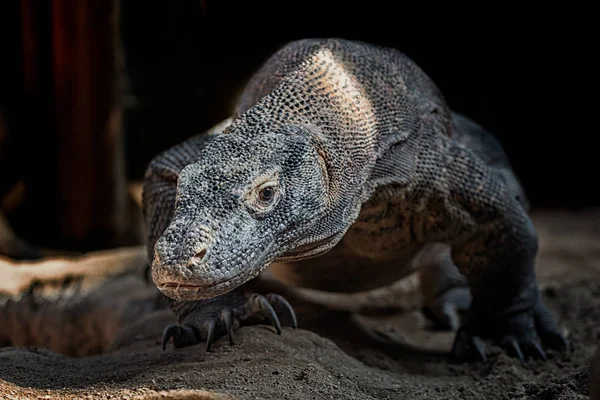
[[183, 243], [191, 279]]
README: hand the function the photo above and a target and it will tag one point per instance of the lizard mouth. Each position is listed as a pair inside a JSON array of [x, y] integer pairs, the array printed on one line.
[[175, 285], [192, 291]]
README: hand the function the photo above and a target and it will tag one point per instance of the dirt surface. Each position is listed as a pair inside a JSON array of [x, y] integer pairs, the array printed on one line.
[[328, 358]]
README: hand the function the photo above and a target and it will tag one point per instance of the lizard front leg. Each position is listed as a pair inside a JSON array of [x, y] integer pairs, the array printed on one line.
[[494, 244], [207, 320]]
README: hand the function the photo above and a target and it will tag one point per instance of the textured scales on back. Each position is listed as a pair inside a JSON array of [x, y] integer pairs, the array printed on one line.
[[344, 159], [371, 98]]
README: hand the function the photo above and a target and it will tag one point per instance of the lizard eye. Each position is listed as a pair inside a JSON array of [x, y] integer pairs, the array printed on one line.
[[263, 197], [266, 194]]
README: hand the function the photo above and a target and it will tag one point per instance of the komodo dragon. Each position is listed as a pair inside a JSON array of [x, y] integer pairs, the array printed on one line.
[[343, 159]]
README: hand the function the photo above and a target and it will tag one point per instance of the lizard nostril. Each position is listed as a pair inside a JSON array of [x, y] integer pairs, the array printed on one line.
[[200, 255]]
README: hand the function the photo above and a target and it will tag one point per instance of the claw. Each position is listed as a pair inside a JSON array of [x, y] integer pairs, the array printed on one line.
[[548, 331], [511, 343], [209, 320], [452, 316], [536, 348], [226, 316], [525, 335], [479, 347], [171, 331], [458, 347], [277, 299], [182, 336], [467, 345], [210, 337], [268, 311]]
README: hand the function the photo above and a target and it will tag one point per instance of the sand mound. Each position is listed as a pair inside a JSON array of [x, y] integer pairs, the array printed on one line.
[[327, 358]]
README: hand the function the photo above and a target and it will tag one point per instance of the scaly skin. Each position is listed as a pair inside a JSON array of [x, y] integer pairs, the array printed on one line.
[[345, 159]]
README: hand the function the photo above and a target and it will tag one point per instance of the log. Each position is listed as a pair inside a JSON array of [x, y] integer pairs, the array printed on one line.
[[19, 276]]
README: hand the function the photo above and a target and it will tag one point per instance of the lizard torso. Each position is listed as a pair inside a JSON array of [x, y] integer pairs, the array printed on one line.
[[344, 158], [380, 122]]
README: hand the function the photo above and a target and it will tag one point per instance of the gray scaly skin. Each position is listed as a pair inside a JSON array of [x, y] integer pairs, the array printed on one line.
[[343, 159]]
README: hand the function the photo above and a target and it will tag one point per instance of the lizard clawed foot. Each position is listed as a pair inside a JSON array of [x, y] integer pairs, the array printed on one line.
[[208, 320], [521, 335]]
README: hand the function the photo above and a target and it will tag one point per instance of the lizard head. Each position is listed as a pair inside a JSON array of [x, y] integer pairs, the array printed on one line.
[[247, 201]]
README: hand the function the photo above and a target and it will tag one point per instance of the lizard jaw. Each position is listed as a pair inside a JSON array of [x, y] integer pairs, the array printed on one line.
[[179, 287], [191, 292]]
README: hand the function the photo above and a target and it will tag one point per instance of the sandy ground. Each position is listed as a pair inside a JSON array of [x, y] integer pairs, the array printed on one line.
[[327, 358]]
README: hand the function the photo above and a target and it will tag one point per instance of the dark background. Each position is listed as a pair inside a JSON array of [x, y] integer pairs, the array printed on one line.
[[521, 76], [524, 75]]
